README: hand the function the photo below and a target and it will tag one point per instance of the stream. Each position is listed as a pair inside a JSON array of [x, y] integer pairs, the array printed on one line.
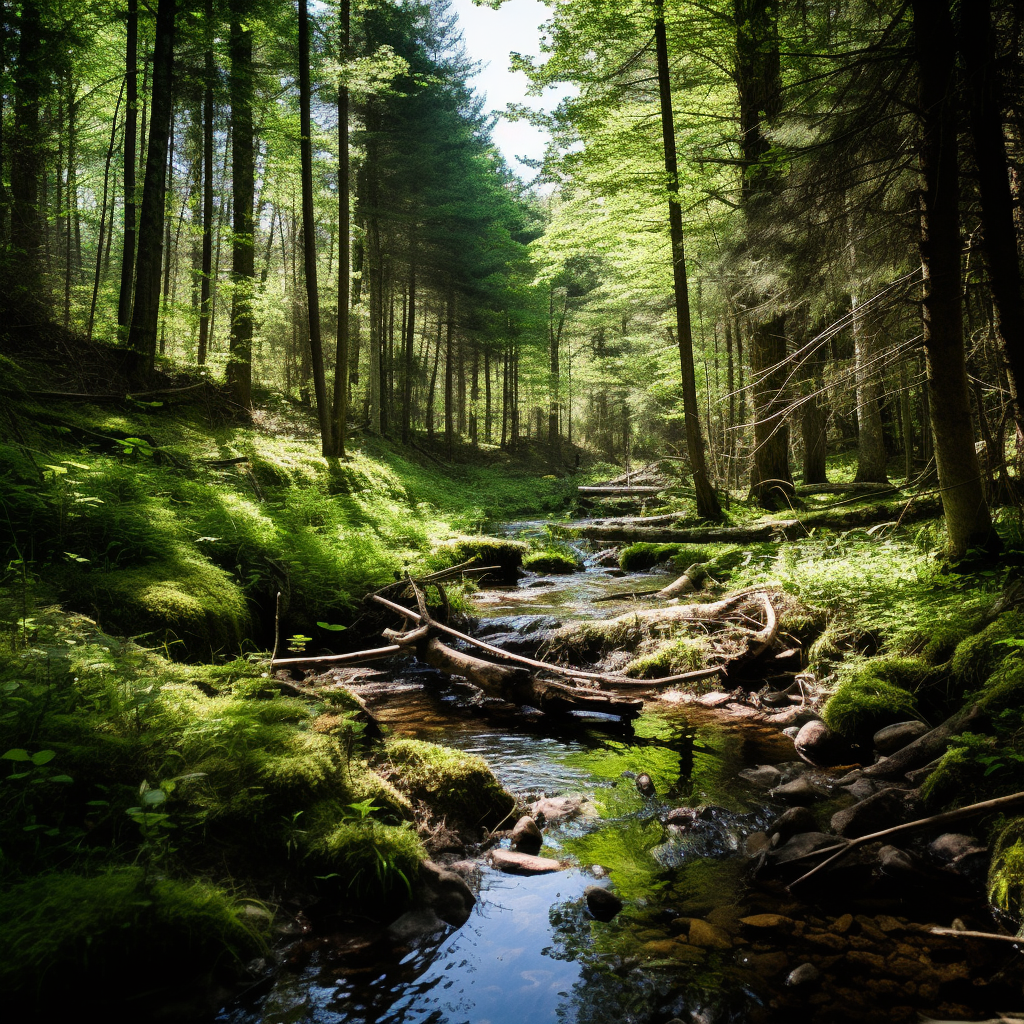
[[532, 952]]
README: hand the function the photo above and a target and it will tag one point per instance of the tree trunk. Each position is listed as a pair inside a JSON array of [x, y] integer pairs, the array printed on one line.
[[449, 370], [316, 352], [871, 455], [103, 214], [410, 351], [146, 306], [999, 238], [206, 280], [124, 300], [963, 499], [814, 425], [243, 263], [707, 500], [27, 152], [168, 199], [340, 406]]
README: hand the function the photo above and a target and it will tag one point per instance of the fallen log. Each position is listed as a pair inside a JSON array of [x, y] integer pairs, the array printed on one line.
[[603, 679], [618, 491], [690, 581], [841, 488], [935, 820], [786, 529]]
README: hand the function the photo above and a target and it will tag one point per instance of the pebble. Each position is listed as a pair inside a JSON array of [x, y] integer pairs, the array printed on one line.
[[805, 974]]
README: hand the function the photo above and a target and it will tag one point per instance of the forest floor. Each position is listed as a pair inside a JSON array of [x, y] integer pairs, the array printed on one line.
[[167, 803]]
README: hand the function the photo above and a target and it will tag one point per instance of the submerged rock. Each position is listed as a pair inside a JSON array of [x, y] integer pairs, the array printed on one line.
[[805, 974], [799, 791], [604, 905], [764, 776], [413, 924], [516, 863], [700, 933], [549, 809]]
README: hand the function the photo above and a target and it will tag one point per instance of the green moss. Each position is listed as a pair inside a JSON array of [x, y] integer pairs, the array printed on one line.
[[100, 940], [1006, 871], [1004, 688], [455, 785], [555, 559], [942, 641], [588, 641], [185, 603], [977, 657], [644, 555], [506, 554], [670, 658], [874, 694]]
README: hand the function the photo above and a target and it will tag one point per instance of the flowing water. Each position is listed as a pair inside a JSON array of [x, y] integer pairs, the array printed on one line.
[[531, 952]]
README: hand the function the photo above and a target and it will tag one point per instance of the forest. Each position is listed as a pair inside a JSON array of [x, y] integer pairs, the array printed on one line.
[[394, 532]]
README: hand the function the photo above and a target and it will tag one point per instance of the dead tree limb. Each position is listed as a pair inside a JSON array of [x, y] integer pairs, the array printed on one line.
[[340, 659]]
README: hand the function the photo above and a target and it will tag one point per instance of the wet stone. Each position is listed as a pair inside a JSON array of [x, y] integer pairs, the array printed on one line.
[[555, 808], [805, 974], [817, 744], [766, 965], [875, 813], [952, 846], [516, 863], [604, 905], [768, 922], [526, 835], [895, 737], [645, 785], [826, 940], [764, 776], [700, 933], [791, 823], [414, 924], [800, 791]]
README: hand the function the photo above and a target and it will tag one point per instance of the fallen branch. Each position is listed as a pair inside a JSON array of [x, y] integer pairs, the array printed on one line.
[[945, 818], [340, 659], [966, 934], [691, 580]]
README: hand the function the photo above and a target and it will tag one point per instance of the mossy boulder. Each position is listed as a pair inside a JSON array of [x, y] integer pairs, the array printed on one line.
[[978, 656], [644, 555], [456, 786], [506, 554], [185, 603], [554, 560], [1006, 871], [102, 940], [875, 694]]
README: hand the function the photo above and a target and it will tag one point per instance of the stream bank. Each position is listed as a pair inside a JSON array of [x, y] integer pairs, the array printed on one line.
[[676, 815]]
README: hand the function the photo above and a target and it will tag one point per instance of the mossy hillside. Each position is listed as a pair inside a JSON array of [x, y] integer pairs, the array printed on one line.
[[110, 520], [73, 940], [456, 786]]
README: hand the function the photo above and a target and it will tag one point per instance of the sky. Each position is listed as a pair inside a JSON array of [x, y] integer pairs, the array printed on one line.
[[490, 36]]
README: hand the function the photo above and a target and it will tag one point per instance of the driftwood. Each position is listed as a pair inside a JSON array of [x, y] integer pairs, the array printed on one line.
[[947, 818], [925, 748], [787, 529], [604, 680], [691, 580], [619, 491]]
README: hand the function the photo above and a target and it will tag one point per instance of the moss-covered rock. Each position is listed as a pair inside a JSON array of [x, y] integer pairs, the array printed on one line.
[[978, 656], [191, 607], [644, 555], [1006, 871], [456, 786], [560, 559], [506, 554], [875, 694], [670, 657], [102, 940]]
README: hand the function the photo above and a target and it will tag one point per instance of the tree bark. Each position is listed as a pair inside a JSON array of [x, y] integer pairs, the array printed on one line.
[[963, 499], [871, 455], [124, 300], [243, 254], [206, 280], [707, 500], [340, 406], [410, 351], [449, 370], [316, 352], [142, 332]]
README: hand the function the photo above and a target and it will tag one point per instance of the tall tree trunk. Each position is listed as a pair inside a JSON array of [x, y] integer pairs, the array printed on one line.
[[999, 238], [146, 307], [474, 398], [871, 455], [316, 352], [433, 378], [243, 265], [373, 378], [168, 198], [206, 280], [707, 500], [814, 420], [963, 499], [449, 370], [487, 395], [759, 84], [124, 300], [410, 342], [103, 214], [27, 152], [340, 406]]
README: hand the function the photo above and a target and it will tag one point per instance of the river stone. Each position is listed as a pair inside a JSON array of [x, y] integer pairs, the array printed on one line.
[[764, 776], [817, 744], [604, 905], [791, 823], [765, 964], [413, 924], [953, 846], [861, 789], [800, 791], [549, 809], [801, 845], [516, 863], [894, 737], [873, 814], [526, 836], [683, 817], [755, 843], [805, 974], [700, 933], [768, 922], [645, 785], [446, 893]]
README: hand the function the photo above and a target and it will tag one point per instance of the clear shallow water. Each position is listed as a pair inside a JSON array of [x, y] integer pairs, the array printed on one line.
[[530, 950]]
